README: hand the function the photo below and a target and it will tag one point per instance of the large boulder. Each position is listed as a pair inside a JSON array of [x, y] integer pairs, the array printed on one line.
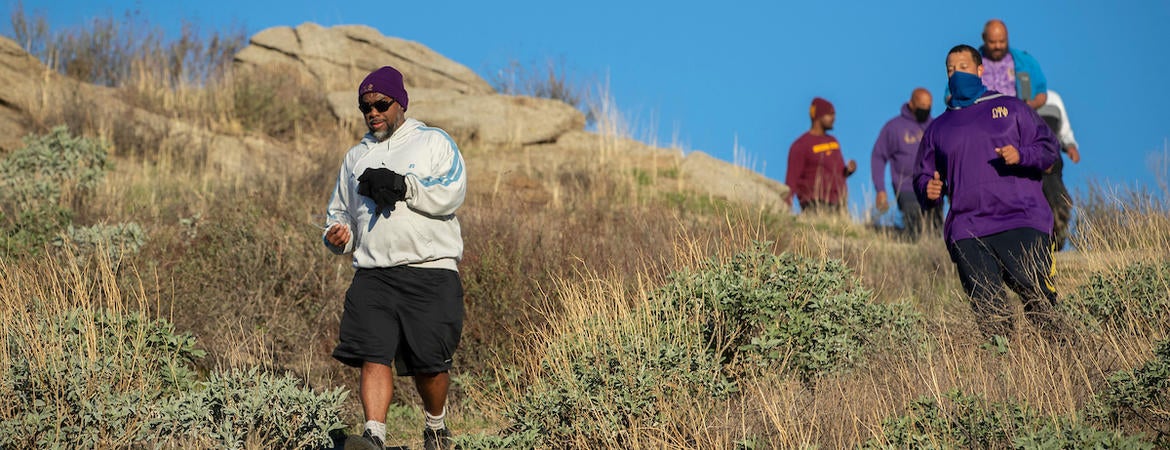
[[339, 57], [492, 120], [718, 178], [443, 93], [495, 120]]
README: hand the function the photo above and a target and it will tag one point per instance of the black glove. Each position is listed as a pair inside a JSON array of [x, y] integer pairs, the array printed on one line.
[[384, 186]]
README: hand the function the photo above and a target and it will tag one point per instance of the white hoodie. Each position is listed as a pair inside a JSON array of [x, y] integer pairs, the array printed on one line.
[[1055, 107], [422, 231]]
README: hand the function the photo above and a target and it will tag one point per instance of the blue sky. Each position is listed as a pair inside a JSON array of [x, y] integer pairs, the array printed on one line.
[[710, 74]]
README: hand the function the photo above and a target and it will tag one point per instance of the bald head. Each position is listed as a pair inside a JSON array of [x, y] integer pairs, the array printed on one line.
[[920, 98], [995, 39], [920, 103]]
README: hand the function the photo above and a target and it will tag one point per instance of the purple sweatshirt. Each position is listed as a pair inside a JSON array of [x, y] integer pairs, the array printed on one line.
[[986, 195], [897, 144]]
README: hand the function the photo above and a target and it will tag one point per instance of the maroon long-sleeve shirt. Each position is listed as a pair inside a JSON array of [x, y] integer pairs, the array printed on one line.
[[816, 170]]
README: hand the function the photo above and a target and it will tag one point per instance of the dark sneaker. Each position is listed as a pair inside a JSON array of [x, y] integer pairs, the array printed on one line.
[[437, 439], [366, 441]]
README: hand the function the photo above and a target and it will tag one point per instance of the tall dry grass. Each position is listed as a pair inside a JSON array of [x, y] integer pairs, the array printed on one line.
[[841, 411]]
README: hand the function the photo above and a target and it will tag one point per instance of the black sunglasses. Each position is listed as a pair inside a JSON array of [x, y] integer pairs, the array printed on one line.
[[381, 105]]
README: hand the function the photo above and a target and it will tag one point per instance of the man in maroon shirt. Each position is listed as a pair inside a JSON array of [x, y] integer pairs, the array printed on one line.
[[816, 169]]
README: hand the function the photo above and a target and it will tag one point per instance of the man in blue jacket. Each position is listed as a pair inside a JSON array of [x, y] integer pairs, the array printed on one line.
[[987, 152], [897, 145], [1011, 71]]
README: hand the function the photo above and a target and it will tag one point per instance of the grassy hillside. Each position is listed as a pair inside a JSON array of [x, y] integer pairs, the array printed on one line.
[[618, 316]]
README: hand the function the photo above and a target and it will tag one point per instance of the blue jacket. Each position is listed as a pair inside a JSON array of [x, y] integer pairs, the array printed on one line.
[[897, 145], [986, 195], [1028, 73]]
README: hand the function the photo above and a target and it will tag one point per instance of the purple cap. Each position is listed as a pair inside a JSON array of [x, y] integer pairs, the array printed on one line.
[[386, 81]]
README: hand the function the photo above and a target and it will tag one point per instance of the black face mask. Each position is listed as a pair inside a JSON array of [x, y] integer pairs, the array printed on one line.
[[921, 115]]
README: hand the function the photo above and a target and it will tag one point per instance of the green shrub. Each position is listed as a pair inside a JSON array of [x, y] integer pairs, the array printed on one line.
[[1070, 434], [598, 387], [508, 441], [619, 377], [88, 378], [107, 380], [251, 409], [962, 421], [68, 162], [1134, 298], [1139, 399], [39, 182], [114, 240], [813, 317]]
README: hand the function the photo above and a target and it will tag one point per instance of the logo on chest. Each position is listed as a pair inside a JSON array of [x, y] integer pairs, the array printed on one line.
[[999, 112], [826, 147]]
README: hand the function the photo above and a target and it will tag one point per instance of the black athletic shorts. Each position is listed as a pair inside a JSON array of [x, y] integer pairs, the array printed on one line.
[[405, 315]]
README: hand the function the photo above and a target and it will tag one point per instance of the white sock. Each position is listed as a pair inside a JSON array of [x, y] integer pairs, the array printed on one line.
[[377, 429], [436, 423]]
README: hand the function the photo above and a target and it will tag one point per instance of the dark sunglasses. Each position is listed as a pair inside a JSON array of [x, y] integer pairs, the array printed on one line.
[[380, 105]]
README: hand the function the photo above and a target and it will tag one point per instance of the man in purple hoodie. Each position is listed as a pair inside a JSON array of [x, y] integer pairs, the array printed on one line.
[[988, 152], [897, 145]]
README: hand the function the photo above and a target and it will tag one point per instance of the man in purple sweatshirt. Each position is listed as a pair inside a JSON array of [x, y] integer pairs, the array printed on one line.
[[988, 152], [897, 145]]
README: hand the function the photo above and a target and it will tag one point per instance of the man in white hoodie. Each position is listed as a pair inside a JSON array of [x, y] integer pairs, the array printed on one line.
[[1056, 116], [393, 208]]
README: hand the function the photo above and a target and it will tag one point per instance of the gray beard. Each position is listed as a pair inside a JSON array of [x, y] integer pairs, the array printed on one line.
[[382, 135]]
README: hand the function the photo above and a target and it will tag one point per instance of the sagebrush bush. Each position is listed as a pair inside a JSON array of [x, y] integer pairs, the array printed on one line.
[[1138, 399], [601, 385], [1134, 299], [114, 240], [40, 183], [962, 421], [809, 318], [88, 378], [100, 379], [251, 409]]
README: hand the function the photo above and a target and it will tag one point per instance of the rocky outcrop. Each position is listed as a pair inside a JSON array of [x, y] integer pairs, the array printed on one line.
[[443, 93], [339, 57], [714, 177], [496, 120], [20, 75], [34, 98], [662, 169]]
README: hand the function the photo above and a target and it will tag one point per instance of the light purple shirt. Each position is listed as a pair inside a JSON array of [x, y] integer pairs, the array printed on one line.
[[1000, 75]]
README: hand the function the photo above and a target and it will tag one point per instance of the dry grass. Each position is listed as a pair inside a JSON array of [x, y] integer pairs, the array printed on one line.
[[843, 411]]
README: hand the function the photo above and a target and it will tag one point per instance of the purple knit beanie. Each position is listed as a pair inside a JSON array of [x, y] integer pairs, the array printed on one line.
[[386, 81]]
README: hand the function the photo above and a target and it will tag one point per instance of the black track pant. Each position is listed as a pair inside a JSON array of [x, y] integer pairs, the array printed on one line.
[[914, 218], [1021, 258], [1058, 199]]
